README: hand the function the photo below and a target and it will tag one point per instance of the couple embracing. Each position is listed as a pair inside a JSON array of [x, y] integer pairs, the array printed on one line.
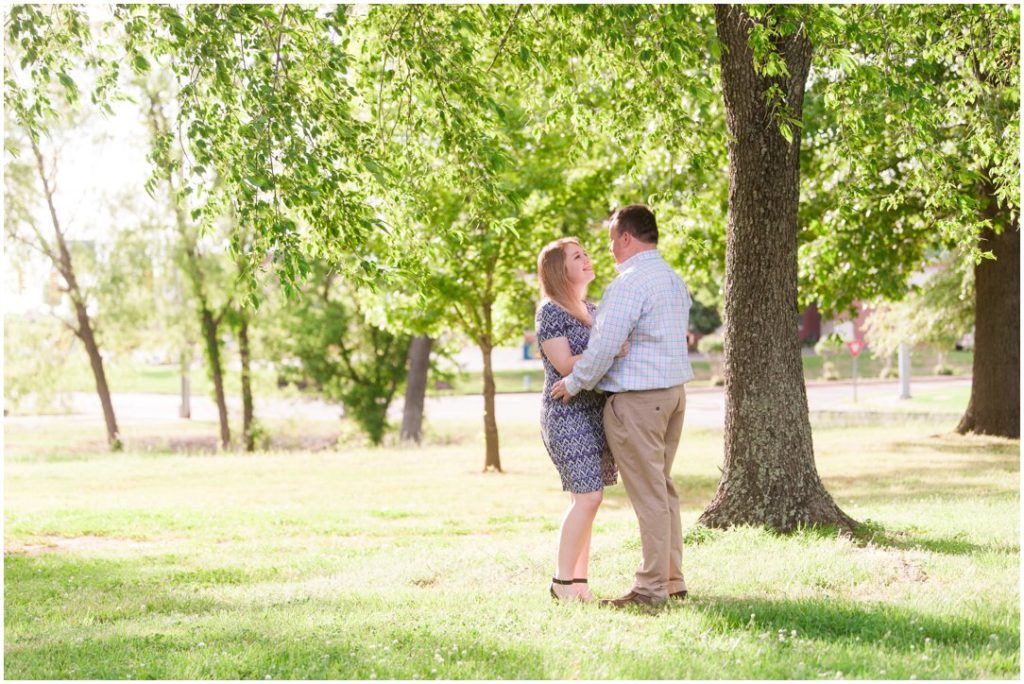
[[614, 399]]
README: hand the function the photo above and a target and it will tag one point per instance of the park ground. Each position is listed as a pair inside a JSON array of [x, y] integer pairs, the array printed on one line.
[[333, 560]]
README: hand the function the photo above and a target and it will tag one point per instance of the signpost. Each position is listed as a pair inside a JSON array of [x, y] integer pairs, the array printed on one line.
[[904, 371], [855, 347]]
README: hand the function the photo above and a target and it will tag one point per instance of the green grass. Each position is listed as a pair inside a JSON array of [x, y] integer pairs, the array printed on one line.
[[934, 399], [922, 363], [413, 564], [127, 376]]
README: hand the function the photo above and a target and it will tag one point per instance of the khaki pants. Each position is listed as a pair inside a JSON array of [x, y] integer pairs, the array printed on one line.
[[643, 430]]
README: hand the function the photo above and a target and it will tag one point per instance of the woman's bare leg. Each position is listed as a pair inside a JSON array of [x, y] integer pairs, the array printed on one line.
[[574, 540]]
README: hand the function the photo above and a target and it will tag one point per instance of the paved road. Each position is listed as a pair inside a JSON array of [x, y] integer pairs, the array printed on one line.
[[705, 406]]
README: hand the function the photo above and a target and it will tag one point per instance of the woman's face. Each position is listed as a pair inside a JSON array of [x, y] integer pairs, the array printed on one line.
[[577, 265]]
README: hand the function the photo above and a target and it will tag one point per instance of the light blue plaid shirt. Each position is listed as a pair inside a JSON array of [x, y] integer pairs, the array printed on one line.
[[649, 304]]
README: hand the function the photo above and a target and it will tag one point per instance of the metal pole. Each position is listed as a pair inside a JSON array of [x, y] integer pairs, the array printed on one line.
[[185, 408], [855, 379], [904, 363]]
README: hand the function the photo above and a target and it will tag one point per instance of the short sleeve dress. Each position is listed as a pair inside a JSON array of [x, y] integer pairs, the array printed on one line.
[[573, 432]]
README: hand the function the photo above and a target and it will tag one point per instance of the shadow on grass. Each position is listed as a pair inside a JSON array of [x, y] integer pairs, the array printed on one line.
[[871, 533], [961, 444], [105, 619], [874, 533], [894, 627], [55, 630]]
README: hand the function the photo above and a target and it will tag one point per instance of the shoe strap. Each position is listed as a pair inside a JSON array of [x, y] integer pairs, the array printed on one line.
[[558, 581], [580, 580]]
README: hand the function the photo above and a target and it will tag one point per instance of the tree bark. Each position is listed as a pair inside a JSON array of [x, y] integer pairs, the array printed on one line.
[[212, 344], [994, 406], [769, 476], [248, 438], [416, 389], [493, 458], [84, 330], [88, 337]]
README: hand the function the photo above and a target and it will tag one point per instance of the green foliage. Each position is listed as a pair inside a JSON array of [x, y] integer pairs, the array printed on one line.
[[713, 347], [31, 378], [263, 96], [323, 337], [937, 313], [704, 319], [912, 125], [711, 344]]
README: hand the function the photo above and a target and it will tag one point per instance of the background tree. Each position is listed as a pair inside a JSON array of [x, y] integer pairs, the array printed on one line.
[[937, 313], [450, 68], [769, 476], [339, 351], [263, 97], [929, 163], [204, 270], [31, 172]]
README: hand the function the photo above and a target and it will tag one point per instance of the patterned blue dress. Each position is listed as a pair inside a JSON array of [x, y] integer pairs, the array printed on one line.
[[573, 433]]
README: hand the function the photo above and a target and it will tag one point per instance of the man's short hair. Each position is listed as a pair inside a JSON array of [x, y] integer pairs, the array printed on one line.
[[638, 221]]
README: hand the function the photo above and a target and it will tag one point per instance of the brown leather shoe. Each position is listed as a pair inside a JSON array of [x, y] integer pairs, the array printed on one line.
[[678, 595], [633, 599]]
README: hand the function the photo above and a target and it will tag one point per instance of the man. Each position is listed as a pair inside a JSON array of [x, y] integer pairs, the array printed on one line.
[[648, 303]]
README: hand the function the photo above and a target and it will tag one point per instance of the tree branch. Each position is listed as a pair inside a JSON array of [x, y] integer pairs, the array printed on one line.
[[504, 38]]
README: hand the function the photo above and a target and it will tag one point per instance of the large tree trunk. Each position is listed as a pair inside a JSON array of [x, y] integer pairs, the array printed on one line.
[[84, 329], [493, 459], [212, 344], [416, 389], [769, 476], [994, 406], [248, 439]]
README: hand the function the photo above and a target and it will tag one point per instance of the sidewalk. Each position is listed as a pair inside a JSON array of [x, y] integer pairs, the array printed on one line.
[[705, 405]]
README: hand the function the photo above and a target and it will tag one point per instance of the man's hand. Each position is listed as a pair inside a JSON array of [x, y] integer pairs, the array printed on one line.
[[558, 391]]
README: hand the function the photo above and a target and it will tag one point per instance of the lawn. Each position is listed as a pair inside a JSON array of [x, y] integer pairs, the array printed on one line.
[[352, 563]]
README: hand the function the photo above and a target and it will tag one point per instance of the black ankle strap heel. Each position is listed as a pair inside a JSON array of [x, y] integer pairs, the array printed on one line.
[[554, 581], [580, 580]]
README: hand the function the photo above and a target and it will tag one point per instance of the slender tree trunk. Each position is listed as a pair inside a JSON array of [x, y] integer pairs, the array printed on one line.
[[994, 406], [212, 344], [769, 476], [493, 459], [248, 438], [85, 333], [416, 389], [84, 329]]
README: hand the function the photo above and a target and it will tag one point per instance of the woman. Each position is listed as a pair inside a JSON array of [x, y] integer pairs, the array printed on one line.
[[573, 432]]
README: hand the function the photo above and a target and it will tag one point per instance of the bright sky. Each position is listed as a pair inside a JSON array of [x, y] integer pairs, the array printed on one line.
[[97, 164]]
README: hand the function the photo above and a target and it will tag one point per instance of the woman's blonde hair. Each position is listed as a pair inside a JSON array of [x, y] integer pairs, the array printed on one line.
[[554, 281]]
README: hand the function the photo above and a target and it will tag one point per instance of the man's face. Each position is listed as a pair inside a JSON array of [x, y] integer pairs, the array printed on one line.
[[616, 242]]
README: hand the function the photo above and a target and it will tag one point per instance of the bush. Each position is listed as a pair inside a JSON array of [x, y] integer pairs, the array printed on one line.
[[711, 345], [829, 371]]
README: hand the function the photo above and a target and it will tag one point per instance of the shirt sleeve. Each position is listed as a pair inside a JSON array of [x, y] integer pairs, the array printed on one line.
[[551, 324], [616, 317]]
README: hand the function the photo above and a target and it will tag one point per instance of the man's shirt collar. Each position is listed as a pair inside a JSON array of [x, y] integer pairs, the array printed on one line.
[[646, 255]]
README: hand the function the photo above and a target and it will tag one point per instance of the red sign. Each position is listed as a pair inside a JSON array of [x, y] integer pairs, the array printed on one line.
[[856, 347]]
